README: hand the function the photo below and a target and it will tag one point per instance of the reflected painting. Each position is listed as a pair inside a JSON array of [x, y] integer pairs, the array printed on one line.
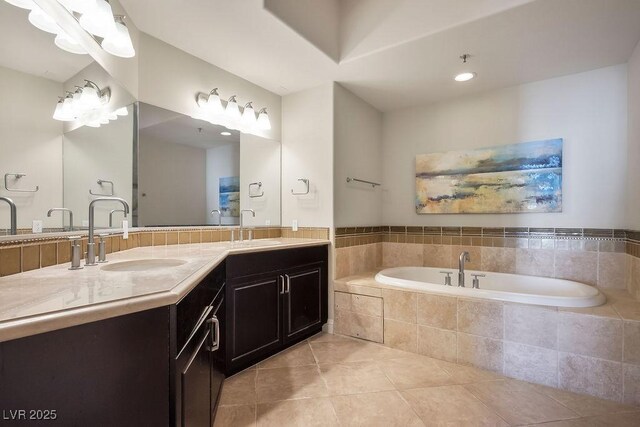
[[512, 178], [229, 188]]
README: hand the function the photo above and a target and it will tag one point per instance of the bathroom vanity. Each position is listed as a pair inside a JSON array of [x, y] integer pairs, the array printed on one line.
[[165, 365]]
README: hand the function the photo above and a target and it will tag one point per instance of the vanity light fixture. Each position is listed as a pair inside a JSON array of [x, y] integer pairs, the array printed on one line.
[[94, 16], [212, 103], [230, 114], [263, 120], [232, 111], [88, 106], [467, 75], [248, 115]]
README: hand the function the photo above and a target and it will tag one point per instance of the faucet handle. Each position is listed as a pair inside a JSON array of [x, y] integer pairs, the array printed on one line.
[[76, 249], [102, 249], [476, 281], [447, 279]]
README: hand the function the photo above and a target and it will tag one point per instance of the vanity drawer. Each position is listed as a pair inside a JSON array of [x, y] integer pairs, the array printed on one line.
[[193, 306]]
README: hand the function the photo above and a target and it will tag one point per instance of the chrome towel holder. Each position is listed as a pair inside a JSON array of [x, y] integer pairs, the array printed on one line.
[[259, 185], [373, 184], [306, 183], [100, 183], [17, 176]]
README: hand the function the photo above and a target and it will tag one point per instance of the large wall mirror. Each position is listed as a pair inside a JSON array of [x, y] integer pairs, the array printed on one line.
[[172, 169]]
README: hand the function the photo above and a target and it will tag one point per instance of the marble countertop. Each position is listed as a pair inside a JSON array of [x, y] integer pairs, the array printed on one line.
[[55, 297]]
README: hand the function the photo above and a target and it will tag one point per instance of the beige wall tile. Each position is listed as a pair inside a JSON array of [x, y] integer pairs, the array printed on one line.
[[10, 261], [342, 301], [590, 335], [363, 304], [612, 270], [478, 317], [581, 266], [342, 262], [159, 239], [400, 305], [437, 343], [588, 375], [378, 253], [631, 384], [533, 364], [48, 254], [436, 256], [481, 352], [64, 252], [631, 342], [184, 237], [500, 260], [172, 238], [401, 254], [535, 262], [533, 325], [475, 253], [205, 236], [196, 237], [401, 335], [359, 325], [437, 311], [146, 239], [30, 257]]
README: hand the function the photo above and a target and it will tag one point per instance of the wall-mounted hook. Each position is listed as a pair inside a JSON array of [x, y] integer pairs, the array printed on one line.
[[17, 176], [306, 183]]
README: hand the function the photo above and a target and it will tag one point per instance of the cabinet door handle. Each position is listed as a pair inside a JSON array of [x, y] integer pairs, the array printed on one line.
[[288, 288], [281, 283], [215, 333]]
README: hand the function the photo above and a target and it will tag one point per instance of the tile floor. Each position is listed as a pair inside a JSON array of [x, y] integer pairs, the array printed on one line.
[[333, 380]]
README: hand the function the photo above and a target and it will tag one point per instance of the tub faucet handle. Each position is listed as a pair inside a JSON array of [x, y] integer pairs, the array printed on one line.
[[447, 279], [476, 281]]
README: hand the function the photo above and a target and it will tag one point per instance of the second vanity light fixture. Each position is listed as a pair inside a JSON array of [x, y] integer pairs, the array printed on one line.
[[88, 105], [232, 115], [94, 16]]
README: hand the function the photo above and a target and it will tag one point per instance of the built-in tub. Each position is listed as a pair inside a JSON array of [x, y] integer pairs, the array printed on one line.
[[496, 286]]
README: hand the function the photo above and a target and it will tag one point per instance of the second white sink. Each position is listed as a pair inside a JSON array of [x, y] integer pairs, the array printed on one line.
[[144, 264]]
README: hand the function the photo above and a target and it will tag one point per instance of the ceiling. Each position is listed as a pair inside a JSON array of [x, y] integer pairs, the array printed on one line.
[[168, 126], [395, 54], [25, 48]]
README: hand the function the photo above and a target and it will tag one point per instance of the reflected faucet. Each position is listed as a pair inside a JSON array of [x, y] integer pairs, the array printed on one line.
[[219, 216], [253, 214], [63, 210], [14, 215], [111, 216], [464, 256], [91, 251]]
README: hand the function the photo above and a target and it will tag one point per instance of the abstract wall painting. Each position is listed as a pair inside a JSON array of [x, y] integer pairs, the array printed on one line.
[[514, 178], [229, 189]]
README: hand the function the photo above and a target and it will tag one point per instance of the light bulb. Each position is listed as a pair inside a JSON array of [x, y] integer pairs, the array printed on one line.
[[464, 77], [24, 4], [122, 111], [118, 42], [80, 6], [263, 120], [62, 113], [232, 111], [214, 105], [68, 43], [248, 115], [90, 99], [112, 116], [98, 20], [42, 21]]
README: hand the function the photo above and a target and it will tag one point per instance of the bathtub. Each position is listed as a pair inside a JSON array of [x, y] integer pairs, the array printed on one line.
[[496, 286]]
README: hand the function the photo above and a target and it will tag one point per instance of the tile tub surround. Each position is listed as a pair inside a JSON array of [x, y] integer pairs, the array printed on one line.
[[20, 255], [607, 258], [594, 351], [335, 380]]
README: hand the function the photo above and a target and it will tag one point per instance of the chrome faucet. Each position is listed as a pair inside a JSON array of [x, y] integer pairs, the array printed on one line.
[[63, 210], [91, 251], [464, 256], [111, 216], [253, 214], [219, 216], [14, 216]]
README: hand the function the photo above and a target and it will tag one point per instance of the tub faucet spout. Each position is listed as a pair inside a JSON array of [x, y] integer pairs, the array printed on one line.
[[464, 256]]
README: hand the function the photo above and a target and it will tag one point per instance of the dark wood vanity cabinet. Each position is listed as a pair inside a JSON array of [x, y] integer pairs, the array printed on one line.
[[274, 299]]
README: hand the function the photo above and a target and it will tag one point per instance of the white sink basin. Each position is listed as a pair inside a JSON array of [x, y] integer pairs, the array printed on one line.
[[144, 264]]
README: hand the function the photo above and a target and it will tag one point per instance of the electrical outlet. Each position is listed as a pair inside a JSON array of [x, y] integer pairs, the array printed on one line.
[[36, 226], [85, 223], [294, 225], [267, 222]]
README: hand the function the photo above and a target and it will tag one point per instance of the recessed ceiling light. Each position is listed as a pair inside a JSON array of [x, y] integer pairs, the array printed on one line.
[[225, 133], [465, 77]]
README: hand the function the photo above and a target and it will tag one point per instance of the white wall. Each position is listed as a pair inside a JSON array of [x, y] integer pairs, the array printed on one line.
[[173, 178], [307, 152], [30, 143], [98, 153], [633, 174], [171, 78], [222, 161], [357, 153], [588, 110], [260, 162]]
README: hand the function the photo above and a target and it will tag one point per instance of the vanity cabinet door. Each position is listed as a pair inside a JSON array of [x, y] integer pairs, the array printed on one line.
[[195, 381], [253, 318], [302, 300]]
